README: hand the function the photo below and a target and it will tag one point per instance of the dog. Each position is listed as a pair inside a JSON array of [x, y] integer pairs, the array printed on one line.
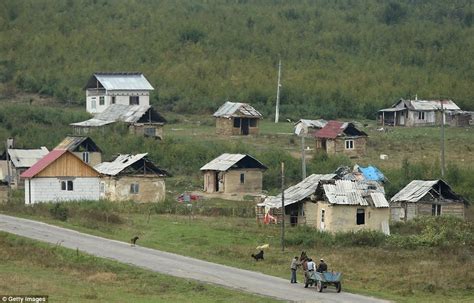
[[133, 240], [258, 256]]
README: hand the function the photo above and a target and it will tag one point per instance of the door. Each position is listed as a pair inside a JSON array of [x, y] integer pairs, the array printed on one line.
[[244, 126], [402, 118]]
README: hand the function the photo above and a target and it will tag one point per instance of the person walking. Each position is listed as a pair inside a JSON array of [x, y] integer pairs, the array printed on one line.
[[293, 267]]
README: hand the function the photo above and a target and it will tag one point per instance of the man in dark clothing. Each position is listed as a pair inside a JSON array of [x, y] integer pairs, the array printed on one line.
[[322, 267]]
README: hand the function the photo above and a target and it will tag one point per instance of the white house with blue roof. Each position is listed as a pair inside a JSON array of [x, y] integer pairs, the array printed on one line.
[[105, 89]]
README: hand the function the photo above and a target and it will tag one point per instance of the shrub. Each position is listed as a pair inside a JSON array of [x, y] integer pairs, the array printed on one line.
[[59, 212], [360, 238]]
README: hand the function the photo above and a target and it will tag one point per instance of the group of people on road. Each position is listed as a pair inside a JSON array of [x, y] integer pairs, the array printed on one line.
[[307, 264]]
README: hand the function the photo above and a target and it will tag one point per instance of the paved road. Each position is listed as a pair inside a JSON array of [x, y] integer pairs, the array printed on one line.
[[173, 264]]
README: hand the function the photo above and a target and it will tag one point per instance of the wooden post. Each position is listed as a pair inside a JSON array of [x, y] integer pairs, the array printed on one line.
[[282, 206]]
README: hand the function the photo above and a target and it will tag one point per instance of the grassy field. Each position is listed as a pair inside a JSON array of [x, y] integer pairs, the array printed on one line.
[[30, 267], [424, 274]]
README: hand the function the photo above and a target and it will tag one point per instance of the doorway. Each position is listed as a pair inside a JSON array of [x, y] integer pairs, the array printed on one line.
[[244, 126]]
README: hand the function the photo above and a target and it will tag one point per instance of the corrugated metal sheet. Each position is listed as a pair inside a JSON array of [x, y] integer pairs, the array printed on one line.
[[92, 123], [414, 191], [302, 125], [123, 81], [43, 163], [331, 130], [116, 112], [235, 109], [347, 192], [24, 158], [429, 105], [297, 192], [119, 164]]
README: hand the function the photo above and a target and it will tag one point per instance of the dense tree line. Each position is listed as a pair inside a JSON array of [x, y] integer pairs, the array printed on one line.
[[341, 58]]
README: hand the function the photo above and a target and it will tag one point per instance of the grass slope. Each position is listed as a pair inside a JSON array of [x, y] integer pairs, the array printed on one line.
[[30, 267]]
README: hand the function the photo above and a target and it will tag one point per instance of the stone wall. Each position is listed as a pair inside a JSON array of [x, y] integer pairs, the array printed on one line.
[[252, 181]]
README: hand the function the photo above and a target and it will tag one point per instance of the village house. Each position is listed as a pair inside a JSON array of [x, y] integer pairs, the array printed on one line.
[[83, 147], [132, 178], [426, 198], [105, 89], [16, 162], [60, 176], [341, 138], [140, 119], [296, 199], [233, 174], [237, 119], [424, 113], [308, 128]]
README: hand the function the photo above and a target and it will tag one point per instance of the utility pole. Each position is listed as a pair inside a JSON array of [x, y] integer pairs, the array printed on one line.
[[277, 109], [442, 140], [8, 145], [303, 158], [282, 206]]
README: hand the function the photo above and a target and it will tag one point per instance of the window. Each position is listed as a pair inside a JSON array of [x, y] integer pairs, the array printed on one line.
[[150, 131], [134, 100], [85, 157], [436, 210], [323, 214], [113, 99], [101, 100], [93, 104], [421, 115], [360, 216], [349, 144], [102, 187], [67, 185], [242, 178], [253, 122], [236, 122], [134, 188]]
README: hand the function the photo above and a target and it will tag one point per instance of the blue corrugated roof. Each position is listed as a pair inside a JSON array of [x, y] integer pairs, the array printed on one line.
[[372, 173]]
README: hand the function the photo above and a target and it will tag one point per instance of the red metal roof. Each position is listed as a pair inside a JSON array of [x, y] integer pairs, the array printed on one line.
[[43, 163], [331, 130]]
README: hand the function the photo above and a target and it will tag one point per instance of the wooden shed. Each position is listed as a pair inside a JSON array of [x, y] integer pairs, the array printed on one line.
[[60, 176], [233, 173], [237, 119], [341, 138], [426, 198], [132, 178], [83, 147]]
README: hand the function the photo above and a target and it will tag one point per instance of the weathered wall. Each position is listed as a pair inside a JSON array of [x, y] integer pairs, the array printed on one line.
[[94, 157], [121, 97], [209, 181], [343, 217], [453, 209], [139, 129], [338, 146], [151, 189], [225, 126], [252, 183], [49, 190]]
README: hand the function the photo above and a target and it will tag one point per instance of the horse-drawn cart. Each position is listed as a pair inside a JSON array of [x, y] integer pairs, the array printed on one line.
[[322, 279]]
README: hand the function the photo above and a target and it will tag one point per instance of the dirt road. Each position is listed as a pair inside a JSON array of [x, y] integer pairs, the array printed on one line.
[[173, 264]]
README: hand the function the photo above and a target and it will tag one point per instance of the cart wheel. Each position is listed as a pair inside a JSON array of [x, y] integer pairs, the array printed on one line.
[[319, 286], [338, 286]]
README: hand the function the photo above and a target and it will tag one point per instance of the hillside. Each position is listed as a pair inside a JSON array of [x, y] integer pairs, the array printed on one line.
[[340, 58]]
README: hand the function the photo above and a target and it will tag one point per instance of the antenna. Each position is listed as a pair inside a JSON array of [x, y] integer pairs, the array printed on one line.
[[277, 109]]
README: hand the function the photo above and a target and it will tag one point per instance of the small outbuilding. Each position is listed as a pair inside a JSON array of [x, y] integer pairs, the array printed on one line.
[[83, 147], [233, 174], [140, 119], [16, 162], [60, 176], [133, 178], [341, 138], [416, 112], [234, 119], [426, 198]]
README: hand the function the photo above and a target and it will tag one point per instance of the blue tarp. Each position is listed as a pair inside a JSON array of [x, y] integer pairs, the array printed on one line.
[[372, 173]]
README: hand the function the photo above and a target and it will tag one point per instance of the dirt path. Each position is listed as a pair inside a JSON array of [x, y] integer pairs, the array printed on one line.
[[173, 264]]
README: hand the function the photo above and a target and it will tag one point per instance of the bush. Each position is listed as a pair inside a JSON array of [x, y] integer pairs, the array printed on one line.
[[59, 212], [360, 238]]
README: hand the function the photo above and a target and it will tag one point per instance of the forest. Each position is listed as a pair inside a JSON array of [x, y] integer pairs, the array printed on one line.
[[340, 58]]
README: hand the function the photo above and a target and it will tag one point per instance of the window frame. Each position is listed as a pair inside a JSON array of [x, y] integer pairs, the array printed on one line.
[[349, 144], [237, 122], [421, 115], [436, 210], [360, 216], [101, 100], [134, 100], [85, 157], [134, 188], [112, 100], [242, 178]]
